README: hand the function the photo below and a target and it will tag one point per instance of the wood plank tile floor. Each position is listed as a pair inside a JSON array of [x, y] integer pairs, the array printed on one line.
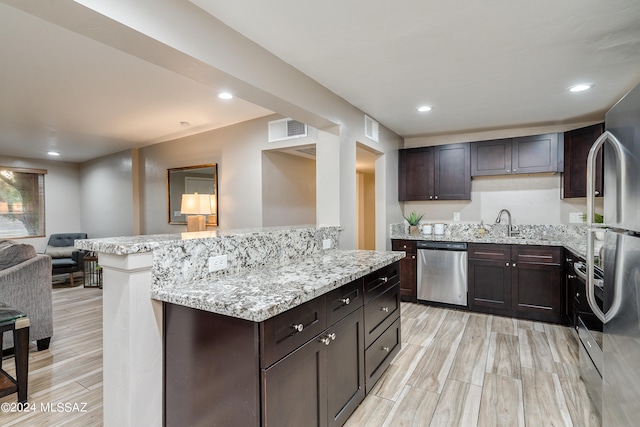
[[455, 369], [468, 369], [65, 381]]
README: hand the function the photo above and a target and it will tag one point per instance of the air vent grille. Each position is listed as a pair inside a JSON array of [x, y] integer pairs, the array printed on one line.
[[371, 128], [280, 130]]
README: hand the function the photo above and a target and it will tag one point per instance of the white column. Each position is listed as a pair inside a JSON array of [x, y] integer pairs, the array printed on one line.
[[132, 342]]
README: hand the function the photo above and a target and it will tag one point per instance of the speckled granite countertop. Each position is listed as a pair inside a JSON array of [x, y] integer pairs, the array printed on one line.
[[147, 243], [573, 238], [258, 294]]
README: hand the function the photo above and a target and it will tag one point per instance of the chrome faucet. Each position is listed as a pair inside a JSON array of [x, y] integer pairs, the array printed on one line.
[[510, 231]]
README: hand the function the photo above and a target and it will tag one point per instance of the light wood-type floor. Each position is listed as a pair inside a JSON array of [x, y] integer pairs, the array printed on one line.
[[467, 369], [455, 369], [69, 372]]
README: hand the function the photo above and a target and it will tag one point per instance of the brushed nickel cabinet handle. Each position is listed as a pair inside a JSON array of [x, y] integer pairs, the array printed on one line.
[[386, 349], [346, 301], [299, 327], [385, 309], [325, 340]]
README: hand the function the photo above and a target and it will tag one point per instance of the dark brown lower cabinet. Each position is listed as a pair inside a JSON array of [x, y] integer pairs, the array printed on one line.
[[517, 280], [489, 286], [539, 294], [320, 383], [408, 269]]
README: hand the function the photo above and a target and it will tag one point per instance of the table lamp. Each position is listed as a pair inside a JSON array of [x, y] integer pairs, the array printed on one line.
[[196, 206]]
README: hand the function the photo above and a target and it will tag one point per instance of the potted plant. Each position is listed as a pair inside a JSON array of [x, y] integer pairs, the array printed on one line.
[[414, 221]]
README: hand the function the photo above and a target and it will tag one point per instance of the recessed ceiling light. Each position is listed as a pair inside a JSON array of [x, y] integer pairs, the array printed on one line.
[[225, 95], [53, 153], [424, 108], [580, 87]]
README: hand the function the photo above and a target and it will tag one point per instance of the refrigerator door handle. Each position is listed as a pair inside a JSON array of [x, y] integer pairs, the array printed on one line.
[[591, 185]]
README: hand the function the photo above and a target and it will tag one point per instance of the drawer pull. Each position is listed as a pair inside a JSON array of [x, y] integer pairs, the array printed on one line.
[[385, 309], [514, 265], [507, 264], [346, 301], [299, 327], [577, 294], [384, 279], [325, 340], [571, 276], [386, 349], [332, 336]]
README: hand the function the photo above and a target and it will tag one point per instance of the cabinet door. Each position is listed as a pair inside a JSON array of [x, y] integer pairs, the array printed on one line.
[[490, 286], [408, 269], [452, 174], [294, 389], [538, 292], [491, 157], [408, 279], [577, 144], [345, 367], [415, 174], [533, 154]]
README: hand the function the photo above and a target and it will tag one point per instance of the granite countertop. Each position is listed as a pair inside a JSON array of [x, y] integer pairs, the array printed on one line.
[[126, 245], [258, 294], [575, 244]]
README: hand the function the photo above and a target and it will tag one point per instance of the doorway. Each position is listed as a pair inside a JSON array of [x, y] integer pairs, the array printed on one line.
[[365, 198]]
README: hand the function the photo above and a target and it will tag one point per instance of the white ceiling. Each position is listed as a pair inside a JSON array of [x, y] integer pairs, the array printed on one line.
[[481, 65]]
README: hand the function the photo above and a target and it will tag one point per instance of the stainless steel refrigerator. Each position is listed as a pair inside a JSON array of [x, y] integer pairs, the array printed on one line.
[[621, 260]]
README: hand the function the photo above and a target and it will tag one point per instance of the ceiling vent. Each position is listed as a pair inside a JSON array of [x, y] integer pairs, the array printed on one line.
[[371, 128], [280, 130]]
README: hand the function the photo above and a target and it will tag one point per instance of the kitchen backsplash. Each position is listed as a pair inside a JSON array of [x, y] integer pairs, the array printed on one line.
[[533, 231], [187, 260]]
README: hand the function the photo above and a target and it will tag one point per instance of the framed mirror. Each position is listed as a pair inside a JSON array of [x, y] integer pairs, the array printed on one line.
[[201, 179]]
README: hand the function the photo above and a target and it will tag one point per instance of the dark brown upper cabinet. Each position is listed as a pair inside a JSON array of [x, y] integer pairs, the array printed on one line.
[[522, 155], [491, 157], [577, 144], [441, 172]]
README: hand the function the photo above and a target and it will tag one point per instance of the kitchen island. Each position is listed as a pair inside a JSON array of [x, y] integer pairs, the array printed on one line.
[[270, 272]]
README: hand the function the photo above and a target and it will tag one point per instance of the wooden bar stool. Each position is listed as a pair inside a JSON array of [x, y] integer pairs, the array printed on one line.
[[13, 320]]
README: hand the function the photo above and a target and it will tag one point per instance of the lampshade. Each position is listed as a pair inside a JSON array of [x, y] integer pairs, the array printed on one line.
[[196, 204]]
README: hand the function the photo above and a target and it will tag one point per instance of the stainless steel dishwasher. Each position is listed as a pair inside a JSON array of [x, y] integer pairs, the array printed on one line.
[[442, 272]]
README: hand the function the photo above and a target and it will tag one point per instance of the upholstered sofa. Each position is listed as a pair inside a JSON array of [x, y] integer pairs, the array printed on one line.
[[25, 284]]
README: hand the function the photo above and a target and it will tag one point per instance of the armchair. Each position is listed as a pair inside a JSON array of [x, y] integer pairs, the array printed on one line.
[[65, 258]]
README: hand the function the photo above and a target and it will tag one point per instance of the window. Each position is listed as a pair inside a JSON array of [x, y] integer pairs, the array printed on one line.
[[21, 202]]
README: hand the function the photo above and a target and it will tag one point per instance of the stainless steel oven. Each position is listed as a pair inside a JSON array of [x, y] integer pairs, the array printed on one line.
[[590, 335]]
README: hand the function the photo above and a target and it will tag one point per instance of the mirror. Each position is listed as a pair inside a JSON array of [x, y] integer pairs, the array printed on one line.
[[202, 179]]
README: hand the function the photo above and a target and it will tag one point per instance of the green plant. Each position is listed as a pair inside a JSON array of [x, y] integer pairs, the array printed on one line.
[[414, 218]]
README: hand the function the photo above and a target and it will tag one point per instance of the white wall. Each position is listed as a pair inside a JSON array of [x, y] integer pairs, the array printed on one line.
[[288, 189], [237, 150], [62, 197], [106, 191], [531, 198]]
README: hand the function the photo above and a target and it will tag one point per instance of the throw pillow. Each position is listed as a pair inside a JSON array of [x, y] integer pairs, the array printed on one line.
[[12, 253], [59, 251]]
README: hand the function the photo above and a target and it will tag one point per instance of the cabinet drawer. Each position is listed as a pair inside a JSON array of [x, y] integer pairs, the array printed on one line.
[[380, 313], [378, 357], [408, 246], [537, 254], [489, 251], [289, 330], [343, 301], [380, 281]]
